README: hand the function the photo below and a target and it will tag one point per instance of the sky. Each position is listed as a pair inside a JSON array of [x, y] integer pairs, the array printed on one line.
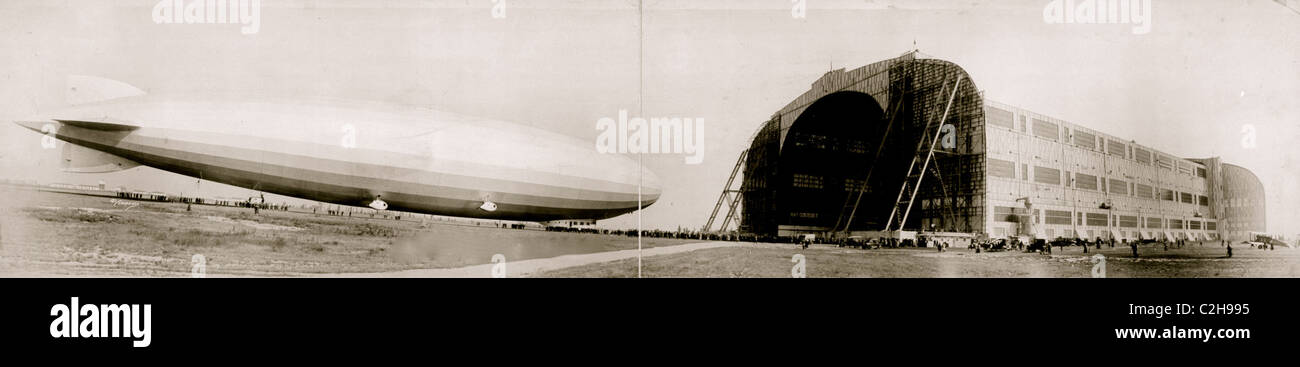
[[1205, 72]]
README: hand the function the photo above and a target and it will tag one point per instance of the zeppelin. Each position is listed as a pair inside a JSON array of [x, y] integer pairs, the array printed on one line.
[[387, 157]]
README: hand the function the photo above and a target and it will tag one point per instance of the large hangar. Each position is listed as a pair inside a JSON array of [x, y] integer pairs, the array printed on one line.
[[808, 164], [911, 143]]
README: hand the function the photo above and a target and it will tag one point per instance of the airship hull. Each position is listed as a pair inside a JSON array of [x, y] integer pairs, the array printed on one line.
[[414, 160]]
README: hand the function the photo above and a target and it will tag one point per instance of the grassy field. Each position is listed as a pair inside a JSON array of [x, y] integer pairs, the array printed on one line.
[[48, 234], [770, 260]]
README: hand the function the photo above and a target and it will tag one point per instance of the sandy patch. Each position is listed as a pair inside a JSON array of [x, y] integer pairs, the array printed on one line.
[[249, 223]]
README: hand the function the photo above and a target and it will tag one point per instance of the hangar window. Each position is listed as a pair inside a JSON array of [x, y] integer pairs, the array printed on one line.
[[852, 185], [1166, 195], [1143, 191], [1154, 223], [807, 181], [1211, 226], [1096, 219], [1142, 155], [1118, 187], [999, 117], [1008, 214], [1176, 223], [1085, 140], [1165, 162], [1047, 130], [1046, 175], [1200, 172], [1083, 181], [1115, 148], [1057, 217], [1001, 168], [816, 141], [1203, 200], [1185, 197], [1128, 221], [1194, 224]]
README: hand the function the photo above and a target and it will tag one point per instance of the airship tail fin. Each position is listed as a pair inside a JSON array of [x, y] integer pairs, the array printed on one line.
[[78, 159], [99, 125], [89, 89]]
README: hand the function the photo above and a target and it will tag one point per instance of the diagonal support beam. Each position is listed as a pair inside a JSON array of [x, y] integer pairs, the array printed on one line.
[[929, 155]]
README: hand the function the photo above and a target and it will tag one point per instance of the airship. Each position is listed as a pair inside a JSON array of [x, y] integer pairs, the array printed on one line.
[[380, 155]]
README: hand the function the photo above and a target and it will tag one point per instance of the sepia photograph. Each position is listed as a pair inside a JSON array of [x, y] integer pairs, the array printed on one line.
[[214, 178], [656, 139]]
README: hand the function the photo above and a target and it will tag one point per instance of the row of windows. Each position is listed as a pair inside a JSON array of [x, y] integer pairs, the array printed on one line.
[[1052, 176], [1057, 217], [1063, 217], [1091, 234], [817, 182], [807, 181], [853, 185], [830, 143], [1052, 131]]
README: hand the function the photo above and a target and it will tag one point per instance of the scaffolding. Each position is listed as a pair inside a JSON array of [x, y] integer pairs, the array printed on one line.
[[731, 197], [902, 208], [953, 201]]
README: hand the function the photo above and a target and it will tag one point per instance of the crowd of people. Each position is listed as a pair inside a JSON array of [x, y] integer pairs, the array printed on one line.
[[978, 245]]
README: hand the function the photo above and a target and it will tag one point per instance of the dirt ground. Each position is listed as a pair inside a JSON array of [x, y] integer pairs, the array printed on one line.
[[51, 234]]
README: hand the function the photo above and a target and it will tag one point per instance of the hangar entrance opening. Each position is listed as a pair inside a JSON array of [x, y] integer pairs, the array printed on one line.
[[825, 158]]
